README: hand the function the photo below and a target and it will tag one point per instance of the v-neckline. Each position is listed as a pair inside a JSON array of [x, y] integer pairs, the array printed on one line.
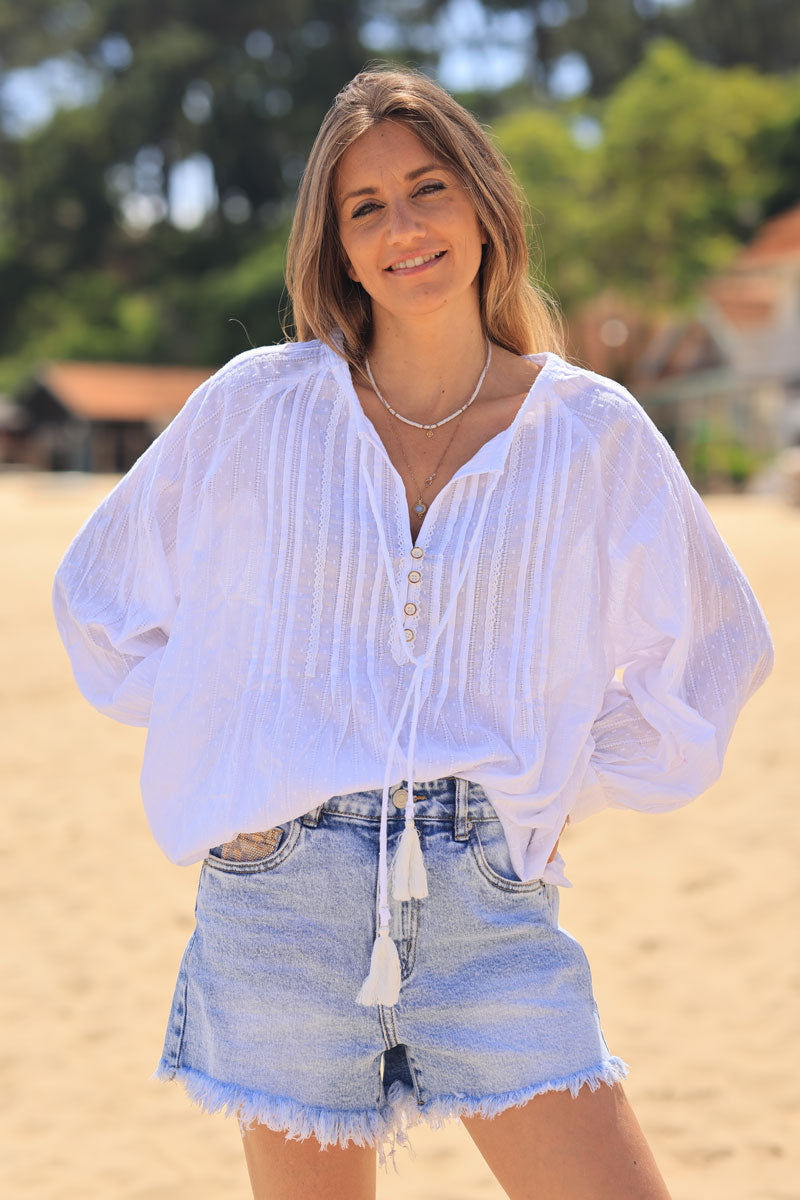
[[489, 457], [486, 457]]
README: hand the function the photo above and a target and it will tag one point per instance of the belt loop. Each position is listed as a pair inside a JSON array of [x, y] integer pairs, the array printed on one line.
[[312, 817], [461, 824]]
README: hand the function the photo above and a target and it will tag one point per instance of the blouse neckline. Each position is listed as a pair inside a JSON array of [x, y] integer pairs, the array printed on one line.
[[489, 457]]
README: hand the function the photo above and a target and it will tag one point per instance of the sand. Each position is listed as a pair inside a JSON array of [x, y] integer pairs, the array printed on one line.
[[690, 922]]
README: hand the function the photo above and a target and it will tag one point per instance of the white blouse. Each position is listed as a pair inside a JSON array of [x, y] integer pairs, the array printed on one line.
[[569, 631]]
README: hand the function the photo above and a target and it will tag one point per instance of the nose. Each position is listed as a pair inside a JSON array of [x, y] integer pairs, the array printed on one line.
[[403, 223]]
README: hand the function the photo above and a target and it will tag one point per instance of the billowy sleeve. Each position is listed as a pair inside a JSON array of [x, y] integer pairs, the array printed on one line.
[[117, 588], [688, 641]]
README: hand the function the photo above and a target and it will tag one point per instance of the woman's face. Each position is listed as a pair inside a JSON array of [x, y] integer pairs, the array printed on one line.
[[396, 206]]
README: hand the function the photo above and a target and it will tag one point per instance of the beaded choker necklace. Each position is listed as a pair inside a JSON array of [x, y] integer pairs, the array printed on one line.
[[431, 428]]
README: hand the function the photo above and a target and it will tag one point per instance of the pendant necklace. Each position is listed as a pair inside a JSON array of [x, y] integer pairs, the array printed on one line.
[[420, 507]]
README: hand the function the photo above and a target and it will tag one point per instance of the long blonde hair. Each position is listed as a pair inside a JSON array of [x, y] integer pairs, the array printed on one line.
[[515, 313]]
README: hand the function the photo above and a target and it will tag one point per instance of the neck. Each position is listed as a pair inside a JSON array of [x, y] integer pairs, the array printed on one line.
[[425, 369]]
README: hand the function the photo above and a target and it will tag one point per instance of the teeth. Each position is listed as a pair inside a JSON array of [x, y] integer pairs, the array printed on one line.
[[414, 262]]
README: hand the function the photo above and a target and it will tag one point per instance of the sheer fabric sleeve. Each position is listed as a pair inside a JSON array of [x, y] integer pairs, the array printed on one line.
[[117, 587], [687, 639]]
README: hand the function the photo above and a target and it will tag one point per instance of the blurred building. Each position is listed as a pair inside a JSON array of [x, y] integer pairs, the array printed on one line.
[[724, 386], [76, 416], [609, 335]]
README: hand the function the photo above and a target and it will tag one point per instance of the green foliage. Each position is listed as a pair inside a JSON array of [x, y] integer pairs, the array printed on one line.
[[86, 199], [688, 159], [764, 34], [680, 177], [560, 180], [716, 458], [684, 179], [613, 36]]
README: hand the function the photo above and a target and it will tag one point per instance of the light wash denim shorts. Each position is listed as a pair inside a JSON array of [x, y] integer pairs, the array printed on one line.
[[496, 1002]]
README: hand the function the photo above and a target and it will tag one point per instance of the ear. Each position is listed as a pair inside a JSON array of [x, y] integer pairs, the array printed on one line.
[[484, 234]]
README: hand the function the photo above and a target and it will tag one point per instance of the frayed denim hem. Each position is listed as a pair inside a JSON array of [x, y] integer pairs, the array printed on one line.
[[382, 1129], [437, 1111], [386, 1128]]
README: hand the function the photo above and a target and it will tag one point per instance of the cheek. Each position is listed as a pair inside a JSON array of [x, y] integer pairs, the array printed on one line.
[[349, 257]]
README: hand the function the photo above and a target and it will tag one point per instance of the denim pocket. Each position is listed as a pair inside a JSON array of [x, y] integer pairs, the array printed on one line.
[[490, 851], [252, 852]]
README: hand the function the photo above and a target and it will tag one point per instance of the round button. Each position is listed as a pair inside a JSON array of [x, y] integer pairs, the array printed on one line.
[[400, 797], [417, 552], [409, 609], [409, 635], [414, 577]]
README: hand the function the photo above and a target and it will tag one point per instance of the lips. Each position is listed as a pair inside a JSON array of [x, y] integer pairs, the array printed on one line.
[[418, 260]]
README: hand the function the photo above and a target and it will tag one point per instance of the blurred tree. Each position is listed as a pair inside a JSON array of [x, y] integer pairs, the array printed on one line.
[[612, 36], [591, 45], [225, 97], [685, 179], [779, 157], [759, 33], [682, 167], [183, 77], [150, 204], [609, 36], [559, 170]]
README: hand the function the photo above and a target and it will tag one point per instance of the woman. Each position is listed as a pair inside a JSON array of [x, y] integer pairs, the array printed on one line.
[[414, 545]]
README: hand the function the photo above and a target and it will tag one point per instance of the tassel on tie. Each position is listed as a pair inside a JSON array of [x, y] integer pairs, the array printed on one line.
[[409, 880], [382, 985]]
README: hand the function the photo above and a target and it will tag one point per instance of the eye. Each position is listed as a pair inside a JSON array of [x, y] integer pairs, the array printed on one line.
[[428, 188], [363, 209]]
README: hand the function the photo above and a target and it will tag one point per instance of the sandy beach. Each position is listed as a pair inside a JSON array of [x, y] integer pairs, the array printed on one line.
[[690, 921]]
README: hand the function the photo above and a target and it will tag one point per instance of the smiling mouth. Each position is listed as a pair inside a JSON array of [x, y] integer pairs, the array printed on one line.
[[419, 261]]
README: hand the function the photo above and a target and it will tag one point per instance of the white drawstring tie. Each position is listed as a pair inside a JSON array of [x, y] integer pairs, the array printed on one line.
[[409, 881], [382, 985]]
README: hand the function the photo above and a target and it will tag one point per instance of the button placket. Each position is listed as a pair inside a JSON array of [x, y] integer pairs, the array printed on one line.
[[411, 606]]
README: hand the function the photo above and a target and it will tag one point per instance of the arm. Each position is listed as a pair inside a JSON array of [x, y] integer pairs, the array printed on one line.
[[117, 588], [685, 633]]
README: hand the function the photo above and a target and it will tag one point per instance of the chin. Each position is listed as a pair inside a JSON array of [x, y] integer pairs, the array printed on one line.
[[425, 305]]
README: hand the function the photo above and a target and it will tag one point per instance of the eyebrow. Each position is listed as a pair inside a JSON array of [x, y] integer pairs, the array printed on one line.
[[415, 174]]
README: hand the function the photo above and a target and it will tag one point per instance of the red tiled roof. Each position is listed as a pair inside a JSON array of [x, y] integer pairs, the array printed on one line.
[[745, 300], [777, 239], [122, 391], [749, 292]]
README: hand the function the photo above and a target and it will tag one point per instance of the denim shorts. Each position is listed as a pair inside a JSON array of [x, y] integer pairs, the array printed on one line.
[[496, 1002]]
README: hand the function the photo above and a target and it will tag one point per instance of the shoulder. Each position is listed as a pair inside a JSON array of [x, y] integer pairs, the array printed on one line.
[[277, 367], [223, 404], [250, 382], [596, 399], [611, 416]]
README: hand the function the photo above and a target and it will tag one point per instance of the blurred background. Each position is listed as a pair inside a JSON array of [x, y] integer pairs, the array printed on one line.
[[150, 152]]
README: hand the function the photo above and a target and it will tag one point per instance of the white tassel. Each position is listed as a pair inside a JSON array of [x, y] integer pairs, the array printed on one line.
[[409, 880], [382, 985]]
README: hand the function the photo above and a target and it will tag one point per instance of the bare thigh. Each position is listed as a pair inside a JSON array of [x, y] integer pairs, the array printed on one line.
[[281, 1169], [587, 1147]]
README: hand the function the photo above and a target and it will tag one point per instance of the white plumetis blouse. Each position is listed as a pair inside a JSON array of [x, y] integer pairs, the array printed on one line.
[[581, 636]]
